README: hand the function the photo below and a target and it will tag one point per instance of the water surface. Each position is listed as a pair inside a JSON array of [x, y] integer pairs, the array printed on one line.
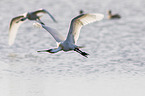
[[116, 64]]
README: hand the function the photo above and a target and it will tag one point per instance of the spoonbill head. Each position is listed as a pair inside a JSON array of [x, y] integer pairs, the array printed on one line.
[[17, 21], [81, 12], [69, 43]]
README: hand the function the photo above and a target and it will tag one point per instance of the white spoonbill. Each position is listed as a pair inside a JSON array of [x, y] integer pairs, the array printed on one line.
[[69, 43], [17, 21]]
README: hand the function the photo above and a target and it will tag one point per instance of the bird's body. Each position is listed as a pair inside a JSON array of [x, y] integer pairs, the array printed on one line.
[[67, 46], [113, 16], [69, 43], [32, 16], [17, 21]]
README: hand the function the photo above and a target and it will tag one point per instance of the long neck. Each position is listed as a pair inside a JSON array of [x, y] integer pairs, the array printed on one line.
[[51, 50], [56, 50]]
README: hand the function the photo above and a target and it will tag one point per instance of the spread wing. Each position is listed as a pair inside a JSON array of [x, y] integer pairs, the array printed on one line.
[[56, 35], [44, 11], [14, 25], [78, 22]]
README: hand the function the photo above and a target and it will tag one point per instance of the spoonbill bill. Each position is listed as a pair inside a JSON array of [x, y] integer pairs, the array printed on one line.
[[17, 21], [69, 43]]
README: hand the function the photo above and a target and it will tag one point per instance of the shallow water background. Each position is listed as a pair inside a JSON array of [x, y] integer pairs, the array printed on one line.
[[116, 64]]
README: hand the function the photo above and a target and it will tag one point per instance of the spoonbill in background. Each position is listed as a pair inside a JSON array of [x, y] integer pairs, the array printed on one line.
[[69, 43], [17, 21], [113, 16]]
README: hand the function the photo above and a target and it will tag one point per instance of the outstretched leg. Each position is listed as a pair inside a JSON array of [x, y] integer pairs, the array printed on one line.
[[81, 52], [40, 21]]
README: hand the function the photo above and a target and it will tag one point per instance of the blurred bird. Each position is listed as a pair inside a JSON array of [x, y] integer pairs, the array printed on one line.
[[115, 16], [17, 21], [69, 43], [81, 12]]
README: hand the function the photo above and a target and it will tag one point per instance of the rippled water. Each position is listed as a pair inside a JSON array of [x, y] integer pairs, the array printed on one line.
[[116, 49]]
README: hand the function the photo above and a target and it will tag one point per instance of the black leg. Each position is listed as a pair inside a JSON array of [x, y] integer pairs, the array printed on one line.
[[40, 21], [81, 52]]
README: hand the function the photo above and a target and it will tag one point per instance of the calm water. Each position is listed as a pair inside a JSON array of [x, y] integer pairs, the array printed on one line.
[[116, 64]]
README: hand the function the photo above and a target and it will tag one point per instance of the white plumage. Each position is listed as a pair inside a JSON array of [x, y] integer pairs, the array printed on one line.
[[70, 42], [17, 21]]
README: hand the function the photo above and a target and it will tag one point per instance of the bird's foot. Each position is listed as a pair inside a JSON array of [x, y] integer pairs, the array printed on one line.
[[84, 54], [38, 20], [42, 23]]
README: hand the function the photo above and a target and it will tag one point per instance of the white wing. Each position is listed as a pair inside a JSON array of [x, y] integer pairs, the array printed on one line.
[[14, 25], [44, 11], [78, 22], [56, 35]]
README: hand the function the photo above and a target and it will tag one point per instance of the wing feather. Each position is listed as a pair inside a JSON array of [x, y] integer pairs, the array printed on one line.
[[78, 22], [44, 11], [56, 35], [14, 25]]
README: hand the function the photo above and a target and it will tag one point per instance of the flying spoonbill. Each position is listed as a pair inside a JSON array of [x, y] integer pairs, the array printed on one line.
[[17, 21], [113, 16], [69, 43]]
